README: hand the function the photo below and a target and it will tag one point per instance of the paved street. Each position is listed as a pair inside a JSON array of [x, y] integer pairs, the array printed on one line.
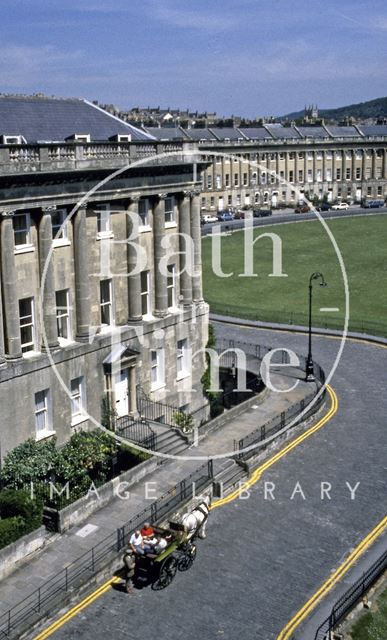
[[264, 558]]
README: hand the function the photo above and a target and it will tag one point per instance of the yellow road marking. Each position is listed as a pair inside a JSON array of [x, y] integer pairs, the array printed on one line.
[[79, 607], [334, 578], [256, 475], [254, 478]]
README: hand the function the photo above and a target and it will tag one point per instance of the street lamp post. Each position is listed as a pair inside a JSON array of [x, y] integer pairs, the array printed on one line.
[[309, 372]]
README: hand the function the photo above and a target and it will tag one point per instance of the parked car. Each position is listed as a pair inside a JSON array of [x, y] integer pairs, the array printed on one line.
[[340, 206], [325, 206], [373, 204], [262, 213], [225, 216], [207, 218], [302, 208]]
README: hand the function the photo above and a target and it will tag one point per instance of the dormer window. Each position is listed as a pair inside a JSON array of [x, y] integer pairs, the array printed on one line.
[[12, 139], [121, 137], [80, 137]]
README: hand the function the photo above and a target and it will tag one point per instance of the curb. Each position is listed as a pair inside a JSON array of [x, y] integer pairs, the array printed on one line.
[[293, 328]]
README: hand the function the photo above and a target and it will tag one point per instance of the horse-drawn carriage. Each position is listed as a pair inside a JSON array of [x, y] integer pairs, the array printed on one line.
[[159, 568]]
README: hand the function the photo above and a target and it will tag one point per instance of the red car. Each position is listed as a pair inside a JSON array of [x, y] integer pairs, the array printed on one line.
[[302, 209]]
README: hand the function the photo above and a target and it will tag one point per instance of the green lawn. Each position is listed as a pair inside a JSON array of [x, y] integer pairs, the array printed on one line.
[[306, 248], [372, 625]]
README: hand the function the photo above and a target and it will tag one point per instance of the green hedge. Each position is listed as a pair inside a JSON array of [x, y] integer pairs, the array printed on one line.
[[19, 515], [15, 503], [11, 529]]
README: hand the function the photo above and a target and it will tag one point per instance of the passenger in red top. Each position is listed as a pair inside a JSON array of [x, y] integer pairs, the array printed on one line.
[[147, 531]]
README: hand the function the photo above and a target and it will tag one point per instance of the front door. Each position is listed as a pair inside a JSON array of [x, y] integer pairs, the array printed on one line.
[[121, 392]]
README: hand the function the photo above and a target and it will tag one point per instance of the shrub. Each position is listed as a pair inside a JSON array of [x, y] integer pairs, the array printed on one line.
[[30, 461], [14, 504], [11, 529]]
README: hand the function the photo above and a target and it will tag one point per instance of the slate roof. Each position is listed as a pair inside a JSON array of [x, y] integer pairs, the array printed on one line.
[[166, 133], [342, 132], [230, 133], [282, 133], [200, 134], [256, 133], [373, 129], [54, 119], [313, 132]]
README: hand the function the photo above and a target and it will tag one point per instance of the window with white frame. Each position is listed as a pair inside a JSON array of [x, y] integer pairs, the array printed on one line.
[[104, 221], [157, 368], [78, 400], [319, 175], [236, 179], [145, 293], [368, 172], [182, 358], [218, 181], [358, 173], [227, 179], [245, 180], [328, 175], [59, 232], [27, 324], [106, 303], [143, 212], [170, 209], [63, 314], [42, 414], [171, 285], [229, 199], [209, 182], [22, 230]]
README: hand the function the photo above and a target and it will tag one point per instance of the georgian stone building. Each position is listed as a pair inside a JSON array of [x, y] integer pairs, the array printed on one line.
[[278, 166], [78, 323]]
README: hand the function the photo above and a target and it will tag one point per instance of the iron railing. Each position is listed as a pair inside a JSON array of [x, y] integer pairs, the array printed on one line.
[[51, 593], [136, 430], [156, 411], [349, 599]]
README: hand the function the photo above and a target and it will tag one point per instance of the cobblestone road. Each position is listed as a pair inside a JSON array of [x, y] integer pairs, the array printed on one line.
[[264, 558]]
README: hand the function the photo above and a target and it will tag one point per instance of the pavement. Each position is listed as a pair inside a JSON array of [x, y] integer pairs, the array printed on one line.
[[265, 558], [64, 549]]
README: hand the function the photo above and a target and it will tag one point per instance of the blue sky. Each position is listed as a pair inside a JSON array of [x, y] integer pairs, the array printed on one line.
[[248, 57]]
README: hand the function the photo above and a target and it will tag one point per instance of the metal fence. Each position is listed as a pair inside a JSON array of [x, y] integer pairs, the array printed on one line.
[[67, 581], [351, 597], [276, 424], [137, 430], [292, 318]]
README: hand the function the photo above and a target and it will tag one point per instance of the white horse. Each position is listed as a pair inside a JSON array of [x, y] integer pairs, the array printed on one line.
[[196, 520]]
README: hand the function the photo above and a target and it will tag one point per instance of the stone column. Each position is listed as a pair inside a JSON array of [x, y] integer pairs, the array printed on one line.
[[81, 268], [197, 292], [132, 390], [185, 259], [373, 170], [2, 348], [134, 281], [9, 284], [160, 277], [47, 287]]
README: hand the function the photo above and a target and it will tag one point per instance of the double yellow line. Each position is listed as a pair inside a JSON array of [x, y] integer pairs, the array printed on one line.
[[330, 583], [75, 610], [281, 454]]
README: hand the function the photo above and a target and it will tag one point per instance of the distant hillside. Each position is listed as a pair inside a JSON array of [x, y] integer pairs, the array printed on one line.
[[371, 109]]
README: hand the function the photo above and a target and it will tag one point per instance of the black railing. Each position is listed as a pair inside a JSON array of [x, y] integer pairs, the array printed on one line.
[[350, 598], [51, 594], [136, 430], [276, 424], [156, 411]]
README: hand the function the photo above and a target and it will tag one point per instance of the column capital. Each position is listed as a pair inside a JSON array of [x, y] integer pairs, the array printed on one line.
[[134, 199], [7, 213], [49, 208], [191, 193], [162, 196]]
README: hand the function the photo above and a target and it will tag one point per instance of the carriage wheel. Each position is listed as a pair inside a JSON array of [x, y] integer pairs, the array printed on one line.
[[186, 561], [167, 573]]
